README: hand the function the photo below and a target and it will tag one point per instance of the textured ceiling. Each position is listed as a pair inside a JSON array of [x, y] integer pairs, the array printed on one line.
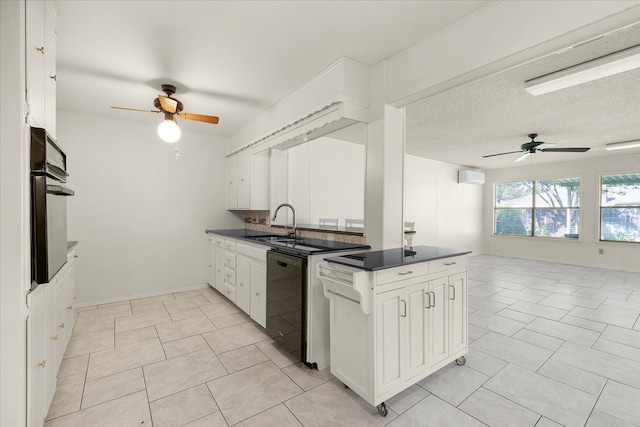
[[233, 59], [495, 114]]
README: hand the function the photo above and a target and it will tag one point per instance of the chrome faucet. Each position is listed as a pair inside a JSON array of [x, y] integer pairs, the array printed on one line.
[[292, 233]]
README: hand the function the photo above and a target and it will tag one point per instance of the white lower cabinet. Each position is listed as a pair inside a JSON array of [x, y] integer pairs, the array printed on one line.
[[241, 275], [387, 334], [49, 326]]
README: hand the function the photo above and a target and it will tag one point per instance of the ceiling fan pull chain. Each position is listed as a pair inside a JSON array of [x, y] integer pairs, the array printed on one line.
[[177, 153]]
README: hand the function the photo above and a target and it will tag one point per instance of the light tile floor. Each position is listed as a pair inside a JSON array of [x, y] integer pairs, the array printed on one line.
[[550, 345]]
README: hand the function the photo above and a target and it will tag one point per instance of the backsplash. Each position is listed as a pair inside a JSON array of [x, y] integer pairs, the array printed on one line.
[[260, 220]]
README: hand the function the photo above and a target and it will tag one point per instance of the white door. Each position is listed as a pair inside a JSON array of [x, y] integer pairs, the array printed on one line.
[[244, 179], [457, 312], [259, 293], [231, 169], [50, 78], [390, 312], [37, 369], [416, 329], [211, 263], [220, 269], [36, 51], [243, 283], [438, 322]]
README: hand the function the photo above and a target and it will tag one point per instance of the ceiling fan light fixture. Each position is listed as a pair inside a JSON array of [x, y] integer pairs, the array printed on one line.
[[624, 145], [168, 130], [605, 66]]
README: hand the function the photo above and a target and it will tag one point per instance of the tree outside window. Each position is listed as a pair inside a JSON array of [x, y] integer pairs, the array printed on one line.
[[547, 208]]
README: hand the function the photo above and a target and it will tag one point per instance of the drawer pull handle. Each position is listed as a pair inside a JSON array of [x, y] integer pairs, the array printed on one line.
[[70, 307], [450, 263], [54, 78], [241, 284], [432, 301], [55, 337], [428, 299], [40, 49], [453, 292], [61, 325], [405, 273], [405, 308], [227, 275], [42, 363], [257, 294]]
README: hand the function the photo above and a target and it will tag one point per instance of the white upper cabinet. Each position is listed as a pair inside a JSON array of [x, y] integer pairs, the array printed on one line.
[[247, 184], [41, 64]]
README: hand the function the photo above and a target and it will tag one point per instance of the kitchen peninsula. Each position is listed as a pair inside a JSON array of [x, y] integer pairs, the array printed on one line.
[[396, 316]]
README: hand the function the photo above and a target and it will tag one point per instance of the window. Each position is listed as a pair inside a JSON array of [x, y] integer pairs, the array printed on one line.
[[620, 208], [546, 208]]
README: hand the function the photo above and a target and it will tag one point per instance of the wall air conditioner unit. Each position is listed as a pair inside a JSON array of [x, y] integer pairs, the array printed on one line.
[[470, 177]]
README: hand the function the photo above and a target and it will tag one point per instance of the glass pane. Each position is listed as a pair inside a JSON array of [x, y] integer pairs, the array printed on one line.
[[558, 193], [621, 190], [513, 221], [620, 224], [557, 223], [517, 194]]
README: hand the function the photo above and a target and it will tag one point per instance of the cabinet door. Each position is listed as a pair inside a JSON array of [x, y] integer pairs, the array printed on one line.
[[37, 370], [69, 291], [243, 283], [438, 321], [390, 306], [231, 168], [457, 312], [244, 179], [220, 269], [416, 324], [211, 262], [259, 293], [36, 52], [50, 77]]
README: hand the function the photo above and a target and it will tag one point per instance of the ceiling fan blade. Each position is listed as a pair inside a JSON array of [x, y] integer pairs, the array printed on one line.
[[502, 154], [566, 150], [199, 118], [545, 145], [524, 156], [168, 104], [136, 109]]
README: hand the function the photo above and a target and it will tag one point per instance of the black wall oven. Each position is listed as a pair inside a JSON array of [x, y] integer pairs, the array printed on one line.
[[48, 207]]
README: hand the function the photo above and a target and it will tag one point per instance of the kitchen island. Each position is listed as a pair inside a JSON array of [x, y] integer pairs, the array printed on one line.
[[396, 316]]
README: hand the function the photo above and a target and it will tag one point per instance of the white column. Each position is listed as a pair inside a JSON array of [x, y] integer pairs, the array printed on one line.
[[384, 169]]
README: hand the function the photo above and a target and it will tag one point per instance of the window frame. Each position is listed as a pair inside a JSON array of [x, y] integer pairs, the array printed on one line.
[[601, 208], [533, 208]]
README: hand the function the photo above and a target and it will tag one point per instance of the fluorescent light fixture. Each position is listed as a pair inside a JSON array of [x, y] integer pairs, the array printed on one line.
[[605, 66], [623, 145]]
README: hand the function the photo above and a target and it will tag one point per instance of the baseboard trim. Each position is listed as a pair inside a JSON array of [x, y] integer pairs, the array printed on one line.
[[145, 295]]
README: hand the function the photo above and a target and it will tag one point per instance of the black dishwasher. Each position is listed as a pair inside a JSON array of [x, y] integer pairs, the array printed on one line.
[[287, 302]]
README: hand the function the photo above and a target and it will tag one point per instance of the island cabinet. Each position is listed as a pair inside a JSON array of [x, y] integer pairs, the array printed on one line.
[[393, 327]]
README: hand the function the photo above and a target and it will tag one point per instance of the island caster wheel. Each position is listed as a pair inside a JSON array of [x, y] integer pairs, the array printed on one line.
[[461, 361], [382, 409]]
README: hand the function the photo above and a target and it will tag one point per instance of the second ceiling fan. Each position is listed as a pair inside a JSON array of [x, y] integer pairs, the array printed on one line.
[[533, 146]]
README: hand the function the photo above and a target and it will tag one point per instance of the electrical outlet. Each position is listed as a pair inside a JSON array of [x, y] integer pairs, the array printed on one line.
[[600, 251]]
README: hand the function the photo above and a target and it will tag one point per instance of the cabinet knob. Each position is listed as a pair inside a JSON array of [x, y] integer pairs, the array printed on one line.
[[55, 337], [42, 363], [54, 78], [242, 180], [61, 325], [75, 256], [74, 298], [218, 270], [40, 49], [257, 294], [241, 284], [209, 265], [226, 275], [70, 307], [230, 182]]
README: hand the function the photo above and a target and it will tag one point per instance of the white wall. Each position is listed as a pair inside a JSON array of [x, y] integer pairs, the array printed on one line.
[[138, 213], [446, 213], [583, 251]]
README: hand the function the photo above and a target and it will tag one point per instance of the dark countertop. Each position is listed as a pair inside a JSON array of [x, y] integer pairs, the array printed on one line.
[[302, 245], [355, 231], [389, 258]]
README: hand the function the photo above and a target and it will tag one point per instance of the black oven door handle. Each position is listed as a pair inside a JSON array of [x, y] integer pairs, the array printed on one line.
[[58, 190]]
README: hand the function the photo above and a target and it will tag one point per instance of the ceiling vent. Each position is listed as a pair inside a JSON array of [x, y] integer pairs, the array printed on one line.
[[470, 177]]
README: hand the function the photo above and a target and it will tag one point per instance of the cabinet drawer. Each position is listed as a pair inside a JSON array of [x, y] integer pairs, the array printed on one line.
[[229, 277], [230, 245], [230, 292], [230, 260], [252, 251], [211, 240], [396, 274], [219, 241], [446, 264]]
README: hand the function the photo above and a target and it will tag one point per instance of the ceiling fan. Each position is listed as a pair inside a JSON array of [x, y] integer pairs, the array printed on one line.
[[168, 130], [533, 146]]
